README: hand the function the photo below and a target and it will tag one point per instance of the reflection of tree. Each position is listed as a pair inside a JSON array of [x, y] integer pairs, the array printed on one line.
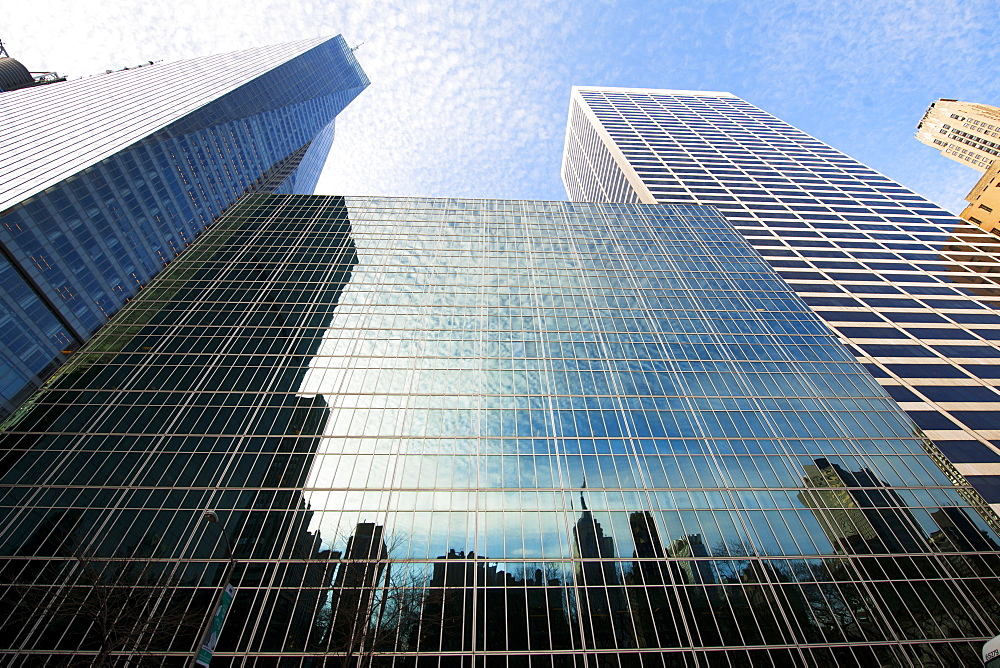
[[471, 603], [890, 571], [350, 625], [101, 609], [372, 607], [773, 601]]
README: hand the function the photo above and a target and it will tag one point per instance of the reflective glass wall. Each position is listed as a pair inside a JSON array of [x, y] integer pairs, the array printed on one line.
[[913, 290], [208, 131], [479, 432]]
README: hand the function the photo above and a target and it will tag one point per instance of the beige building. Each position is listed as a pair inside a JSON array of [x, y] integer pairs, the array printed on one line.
[[966, 132], [984, 201]]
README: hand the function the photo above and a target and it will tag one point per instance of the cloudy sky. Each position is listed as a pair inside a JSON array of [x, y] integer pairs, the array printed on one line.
[[469, 98]]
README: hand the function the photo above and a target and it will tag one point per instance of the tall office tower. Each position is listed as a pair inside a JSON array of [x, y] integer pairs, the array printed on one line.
[[912, 289], [475, 432], [104, 180], [966, 132]]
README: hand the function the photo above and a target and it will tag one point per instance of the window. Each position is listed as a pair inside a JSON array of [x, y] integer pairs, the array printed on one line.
[[927, 370], [871, 332], [849, 316], [963, 393], [939, 333], [975, 318], [932, 420], [990, 371], [882, 350], [914, 317], [876, 371], [961, 452], [979, 419], [900, 393]]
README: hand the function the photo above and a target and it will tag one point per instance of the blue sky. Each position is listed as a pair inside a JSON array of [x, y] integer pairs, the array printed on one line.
[[469, 98]]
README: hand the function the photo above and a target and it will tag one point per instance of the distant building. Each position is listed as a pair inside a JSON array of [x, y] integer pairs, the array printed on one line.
[[14, 75], [105, 179], [966, 132], [984, 200]]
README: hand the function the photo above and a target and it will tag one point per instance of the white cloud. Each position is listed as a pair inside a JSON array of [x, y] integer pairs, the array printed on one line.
[[461, 92], [469, 98]]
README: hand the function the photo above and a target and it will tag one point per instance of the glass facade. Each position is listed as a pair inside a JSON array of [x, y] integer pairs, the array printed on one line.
[[913, 290], [101, 191], [476, 432]]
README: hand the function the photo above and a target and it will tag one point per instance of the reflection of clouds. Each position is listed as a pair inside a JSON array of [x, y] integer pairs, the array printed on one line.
[[443, 429], [393, 367]]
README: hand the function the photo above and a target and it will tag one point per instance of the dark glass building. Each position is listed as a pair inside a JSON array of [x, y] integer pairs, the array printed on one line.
[[912, 289], [482, 433], [107, 178]]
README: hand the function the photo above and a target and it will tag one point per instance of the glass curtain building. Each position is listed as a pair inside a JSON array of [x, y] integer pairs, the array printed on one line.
[[482, 433], [106, 179], [913, 290]]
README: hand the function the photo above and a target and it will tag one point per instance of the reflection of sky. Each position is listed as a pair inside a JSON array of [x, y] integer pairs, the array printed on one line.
[[482, 367]]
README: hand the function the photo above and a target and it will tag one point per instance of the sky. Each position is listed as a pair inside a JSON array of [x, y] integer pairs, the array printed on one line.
[[469, 98]]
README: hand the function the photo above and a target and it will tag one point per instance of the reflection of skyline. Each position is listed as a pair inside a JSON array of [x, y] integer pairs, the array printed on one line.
[[678, 591], [958, 533]]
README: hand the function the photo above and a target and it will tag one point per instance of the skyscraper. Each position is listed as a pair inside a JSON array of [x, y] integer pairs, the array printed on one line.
[[480, 432], [966, 132], [913, 290], [106, 179]]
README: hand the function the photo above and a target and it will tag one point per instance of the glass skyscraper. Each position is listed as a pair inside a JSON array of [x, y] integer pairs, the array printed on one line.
[[913, 290], [106, 179], [482, 433]]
